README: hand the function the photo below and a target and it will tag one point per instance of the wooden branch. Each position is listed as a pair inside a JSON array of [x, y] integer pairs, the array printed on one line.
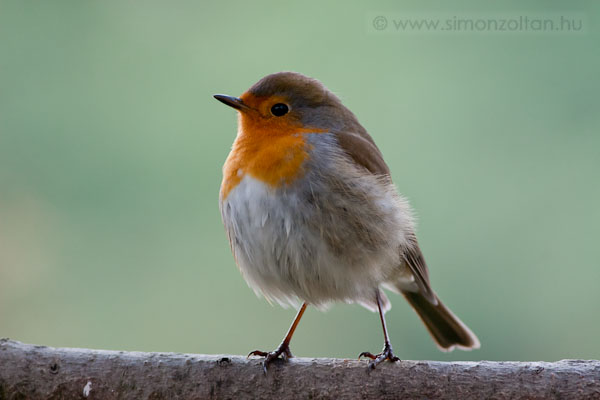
[[39, 372]]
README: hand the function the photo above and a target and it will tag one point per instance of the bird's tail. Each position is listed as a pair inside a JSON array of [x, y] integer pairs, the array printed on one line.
[[447, 330]]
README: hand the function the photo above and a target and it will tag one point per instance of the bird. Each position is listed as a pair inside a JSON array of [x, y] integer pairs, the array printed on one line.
[[313, 217]]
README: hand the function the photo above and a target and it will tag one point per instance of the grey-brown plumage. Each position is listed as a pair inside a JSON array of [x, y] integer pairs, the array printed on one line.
[[337, 231]]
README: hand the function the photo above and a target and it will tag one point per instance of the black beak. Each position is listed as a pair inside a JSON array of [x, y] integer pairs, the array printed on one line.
[[234, 102]]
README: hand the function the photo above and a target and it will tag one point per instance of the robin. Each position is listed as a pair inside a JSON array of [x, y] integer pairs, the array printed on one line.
[[313, 217]]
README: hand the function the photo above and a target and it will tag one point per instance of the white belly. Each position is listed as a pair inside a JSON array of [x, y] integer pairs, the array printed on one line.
[[281, 251]]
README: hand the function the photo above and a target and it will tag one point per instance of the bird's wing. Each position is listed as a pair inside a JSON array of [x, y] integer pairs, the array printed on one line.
[[416, 262], [363, 150]]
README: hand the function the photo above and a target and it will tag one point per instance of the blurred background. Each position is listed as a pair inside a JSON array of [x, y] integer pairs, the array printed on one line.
[[111, 148]]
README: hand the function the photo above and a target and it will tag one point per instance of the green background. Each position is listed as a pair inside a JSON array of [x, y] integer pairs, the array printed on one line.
[[111, 148]]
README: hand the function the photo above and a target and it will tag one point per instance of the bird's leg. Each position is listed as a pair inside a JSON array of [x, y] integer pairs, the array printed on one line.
[[387, 352], [284, 348]]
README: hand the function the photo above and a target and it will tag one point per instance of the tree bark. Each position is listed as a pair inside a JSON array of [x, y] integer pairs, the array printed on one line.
[[40, 372]]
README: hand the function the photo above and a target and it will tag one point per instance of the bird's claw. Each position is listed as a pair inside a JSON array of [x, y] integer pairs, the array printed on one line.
[[283, 350], [386, 354]]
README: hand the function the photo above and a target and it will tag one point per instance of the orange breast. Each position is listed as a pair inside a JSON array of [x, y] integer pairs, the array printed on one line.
[[273, 153]]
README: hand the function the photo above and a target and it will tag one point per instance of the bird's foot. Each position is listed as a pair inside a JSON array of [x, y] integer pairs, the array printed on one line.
[[386, 354], [283, 350]]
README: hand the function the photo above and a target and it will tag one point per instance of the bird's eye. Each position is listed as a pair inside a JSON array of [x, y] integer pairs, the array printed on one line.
[[279, 109]]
